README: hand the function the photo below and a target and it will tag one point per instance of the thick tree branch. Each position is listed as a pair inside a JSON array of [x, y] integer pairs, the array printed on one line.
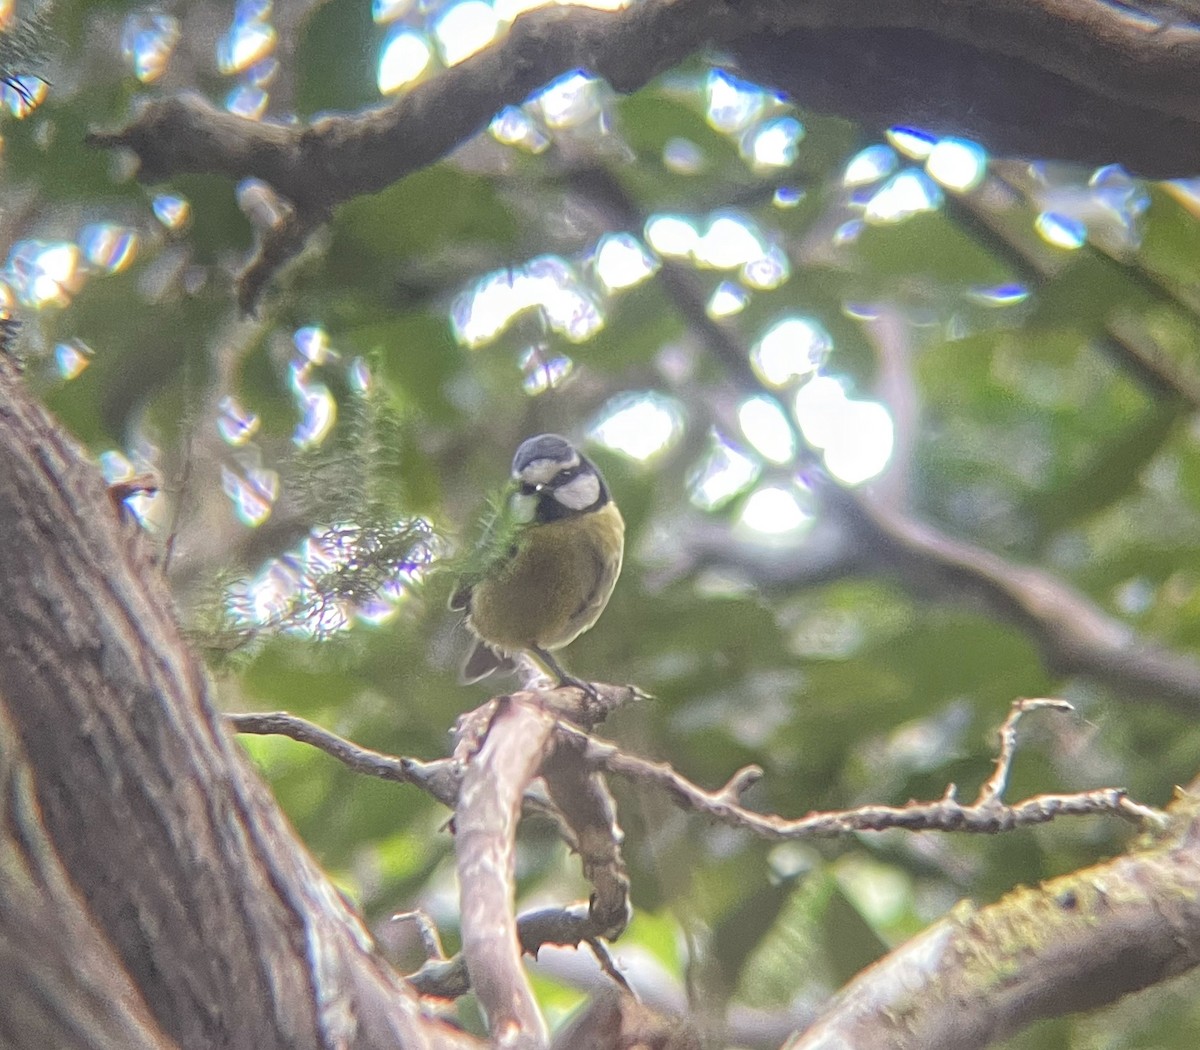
[[1096, 81], [518, 739], [224, 923], [590, 812], [1074, 634], [338, 157], [1071, 944]]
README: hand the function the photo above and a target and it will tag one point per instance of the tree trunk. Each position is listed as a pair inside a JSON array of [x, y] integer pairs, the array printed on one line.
[[151, 893]]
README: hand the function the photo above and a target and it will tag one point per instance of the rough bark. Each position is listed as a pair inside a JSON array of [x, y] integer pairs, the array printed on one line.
[[148, 878]]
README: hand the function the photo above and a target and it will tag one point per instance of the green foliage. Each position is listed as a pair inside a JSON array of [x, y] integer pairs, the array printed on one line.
[[1024, 428]]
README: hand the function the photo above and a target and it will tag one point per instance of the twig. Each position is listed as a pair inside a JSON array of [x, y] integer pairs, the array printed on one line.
[[563, 927], [431, 940], [440, 778], [1075, 943], [992, 791], [987, 815]]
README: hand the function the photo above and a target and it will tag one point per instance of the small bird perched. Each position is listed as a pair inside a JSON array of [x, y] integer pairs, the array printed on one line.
[[549, 563]]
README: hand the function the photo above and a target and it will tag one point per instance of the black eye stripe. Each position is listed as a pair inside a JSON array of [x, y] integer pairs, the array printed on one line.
[[563, 476]]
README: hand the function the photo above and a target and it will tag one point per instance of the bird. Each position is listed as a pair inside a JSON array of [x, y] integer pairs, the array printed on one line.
[[548, 563]]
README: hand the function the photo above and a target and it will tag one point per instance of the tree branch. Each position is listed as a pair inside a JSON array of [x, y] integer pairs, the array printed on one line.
[[588, 807], [1074, 943], [987, 815], [518, 739], [1105, 70], [1075, 635], [440, 778], [225, 924]]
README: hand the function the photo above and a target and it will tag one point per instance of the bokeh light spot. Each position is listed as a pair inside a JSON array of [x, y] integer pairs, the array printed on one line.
[[776, 511], [683, 156], [72, 357], [247, 101], [171, 210], [621, 261], [44, 273], [148, 41], [870, 165], [548, 284], [465, 28], [1008, 294], [767, 429], [726, 300], [570, 101], [1060, 230], [406, 55], [773, 144], [108, 247], [791, 348], [912, 142], [235, 424], [312, 342], [672, 235], [787, 196], [542, 370], [514, 127], [863, 444], [359, 375], [818, 406], [639, 425], [318, 408], [958, 164], [724, 473], [383, 11], [769, 270], [249, 40], [732, 104], [253, 493], [905, 194], [729, 242]]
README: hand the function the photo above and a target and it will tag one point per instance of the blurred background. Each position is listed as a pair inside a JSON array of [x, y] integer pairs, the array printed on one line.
[[758, 320]]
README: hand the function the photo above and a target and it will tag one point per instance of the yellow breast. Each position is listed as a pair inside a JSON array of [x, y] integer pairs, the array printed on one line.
[[555, 585]]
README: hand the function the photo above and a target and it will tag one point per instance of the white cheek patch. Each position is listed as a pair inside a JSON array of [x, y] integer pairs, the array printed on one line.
[[543, 471], [579, 493]]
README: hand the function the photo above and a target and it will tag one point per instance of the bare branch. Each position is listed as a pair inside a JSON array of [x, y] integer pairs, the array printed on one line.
[[992, 791], [519, 737], [566, 927], [585, 802], [440, 778], [1075, 943], [987, 815], [1074, 634], [1099, 56], [334, 158]]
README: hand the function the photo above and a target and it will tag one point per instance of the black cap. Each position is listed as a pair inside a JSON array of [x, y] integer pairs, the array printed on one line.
[[544, 446]]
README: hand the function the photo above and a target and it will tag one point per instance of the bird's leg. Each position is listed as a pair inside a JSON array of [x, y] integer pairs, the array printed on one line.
[[564, 678]]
